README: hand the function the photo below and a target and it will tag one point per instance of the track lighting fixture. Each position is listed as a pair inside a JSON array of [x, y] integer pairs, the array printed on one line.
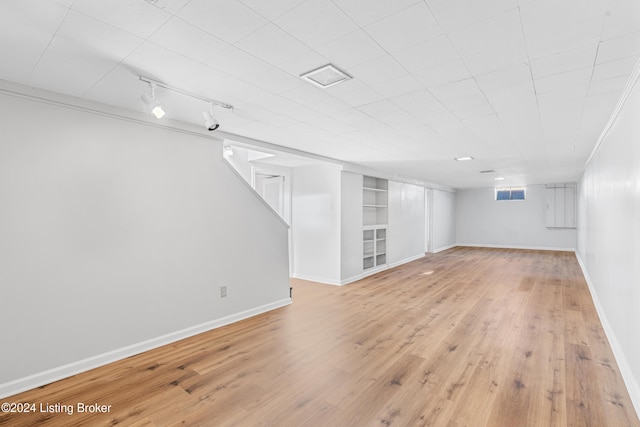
[[158, 110], [153, 106], [209, 121]]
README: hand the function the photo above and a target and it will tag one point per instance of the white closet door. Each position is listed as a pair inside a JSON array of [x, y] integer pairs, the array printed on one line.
[[273, 193]]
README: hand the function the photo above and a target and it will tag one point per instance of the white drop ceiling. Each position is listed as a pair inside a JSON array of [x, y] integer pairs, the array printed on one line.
[[523, 86]]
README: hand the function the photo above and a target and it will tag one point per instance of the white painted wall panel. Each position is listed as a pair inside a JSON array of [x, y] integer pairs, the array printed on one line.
[[483, 221], [609, 237], [351, 226], [405, 240], [444, 219], [315, 224], [114, 232]]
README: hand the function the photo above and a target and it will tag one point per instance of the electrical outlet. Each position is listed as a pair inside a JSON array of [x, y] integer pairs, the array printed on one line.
[[223, 291]]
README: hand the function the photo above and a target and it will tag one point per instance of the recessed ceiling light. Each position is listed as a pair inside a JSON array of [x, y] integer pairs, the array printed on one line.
[[460, 159], [325, 76], [499, 178]]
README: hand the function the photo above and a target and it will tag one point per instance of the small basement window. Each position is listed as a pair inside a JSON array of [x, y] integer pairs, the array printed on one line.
[[510, 193]]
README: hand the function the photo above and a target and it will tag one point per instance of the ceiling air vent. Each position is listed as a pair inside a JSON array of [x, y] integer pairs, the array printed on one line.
[[488, 171], [325, 76]]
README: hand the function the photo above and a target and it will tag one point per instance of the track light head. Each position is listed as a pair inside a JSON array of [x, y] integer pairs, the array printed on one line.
[[209, 121], [153, 106]]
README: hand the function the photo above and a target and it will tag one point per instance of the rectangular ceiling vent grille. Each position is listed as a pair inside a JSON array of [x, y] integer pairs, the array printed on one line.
[[488, 171], [326, 76]]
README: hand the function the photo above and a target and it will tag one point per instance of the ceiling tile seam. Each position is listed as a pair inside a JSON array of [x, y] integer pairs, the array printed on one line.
[[482, 20], [533, 81], [446, 34], [586, 98], [53, 37], [277, 17], [142, 41], [376, 21]]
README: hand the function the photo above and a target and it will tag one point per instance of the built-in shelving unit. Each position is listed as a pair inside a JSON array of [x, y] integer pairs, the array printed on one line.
[[374, 222]]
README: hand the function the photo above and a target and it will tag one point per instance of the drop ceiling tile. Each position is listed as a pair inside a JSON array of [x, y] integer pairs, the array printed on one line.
[[429, 53], [456, 14], [65, 3], [26, 28], [562, 81], [504, 78], [351, 49], [456, 90], [544, 16], [614, 84], [442, 74], [419, 102], [238, 20], [315, 98], [506, 56], [378, 70], [564, 62], [407, 27], [171, 6], [272, 45], [188, 40], [355, 93], [71, 64], [316, 22], [612, 69], [619, 48], [330, 124], [398, 86], [571, 37], [310, 60], [236, 62], [519, 97], [138, 18], [365, 12], [272, 9], [574, 93], [491, 34], [356, 119], [469, 107], [381, 110], [442, 122], [274, 80], [624, 18], [487, 127]]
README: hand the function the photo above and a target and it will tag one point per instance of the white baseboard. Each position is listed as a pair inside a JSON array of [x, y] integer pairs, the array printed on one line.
[[444, 248], [625, 370], [533, 248], [74, 368], [406, 260], [351, 279], [317, 279]]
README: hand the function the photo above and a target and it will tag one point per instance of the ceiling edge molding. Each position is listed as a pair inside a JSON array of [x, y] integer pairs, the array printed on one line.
[[73, 103], [626, 93]]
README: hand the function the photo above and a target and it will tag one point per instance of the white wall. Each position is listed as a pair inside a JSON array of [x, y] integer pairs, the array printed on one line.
[[483, 221], [315, 222], [351, 227], [115, 237], [240, 162], [444, 220], [405, 234], [609, 236]]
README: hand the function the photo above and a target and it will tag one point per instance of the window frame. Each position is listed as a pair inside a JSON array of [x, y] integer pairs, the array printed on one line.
[[511, 191]]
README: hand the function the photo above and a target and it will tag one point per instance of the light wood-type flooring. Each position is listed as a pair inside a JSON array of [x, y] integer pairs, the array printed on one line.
[[467, 337]]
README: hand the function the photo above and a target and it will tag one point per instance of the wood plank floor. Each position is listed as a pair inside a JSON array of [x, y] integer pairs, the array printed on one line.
[[466, 337]]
